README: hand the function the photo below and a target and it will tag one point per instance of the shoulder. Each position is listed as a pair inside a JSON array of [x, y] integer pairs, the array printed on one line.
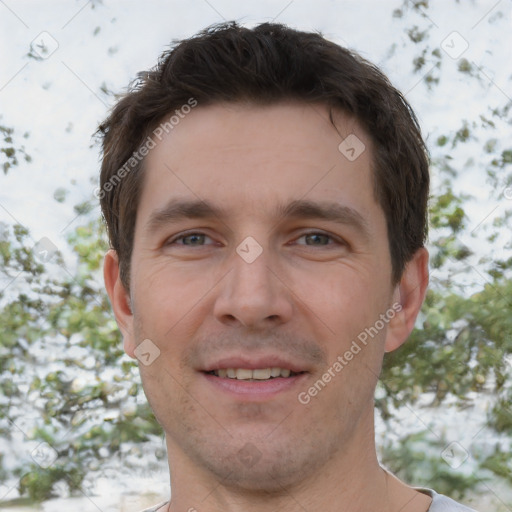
[[441, 503], [155, 508]]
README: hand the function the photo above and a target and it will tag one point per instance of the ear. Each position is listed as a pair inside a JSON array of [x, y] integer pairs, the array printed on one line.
[[120, 300], [408, 299]]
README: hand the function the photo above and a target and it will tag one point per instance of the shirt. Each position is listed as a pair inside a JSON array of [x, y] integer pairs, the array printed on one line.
[[442, 503], [439, 503]]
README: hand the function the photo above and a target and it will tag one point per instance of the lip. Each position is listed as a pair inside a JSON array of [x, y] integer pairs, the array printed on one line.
[[253, 363], [254, 391]]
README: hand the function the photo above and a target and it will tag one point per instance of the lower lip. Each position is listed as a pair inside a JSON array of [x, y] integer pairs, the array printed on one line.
[[255, 390]]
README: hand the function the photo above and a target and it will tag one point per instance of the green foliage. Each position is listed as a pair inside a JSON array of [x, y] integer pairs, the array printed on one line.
[[413, 461], [500, 464], [38, 483], [61, 358], [9, 153]]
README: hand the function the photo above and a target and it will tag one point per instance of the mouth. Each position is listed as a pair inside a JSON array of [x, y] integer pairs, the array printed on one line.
[[246, 380], [254, 375]]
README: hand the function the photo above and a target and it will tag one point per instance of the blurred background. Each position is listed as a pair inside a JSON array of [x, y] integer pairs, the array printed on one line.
[[75, 429]]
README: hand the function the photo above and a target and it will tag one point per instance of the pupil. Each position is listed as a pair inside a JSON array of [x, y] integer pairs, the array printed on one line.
[[319, 236], [193, 238]]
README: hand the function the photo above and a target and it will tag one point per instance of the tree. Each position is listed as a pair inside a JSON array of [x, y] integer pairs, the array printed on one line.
[[10, 153]]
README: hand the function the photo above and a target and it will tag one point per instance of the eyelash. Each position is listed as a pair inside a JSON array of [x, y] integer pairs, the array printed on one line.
[[336, 240]]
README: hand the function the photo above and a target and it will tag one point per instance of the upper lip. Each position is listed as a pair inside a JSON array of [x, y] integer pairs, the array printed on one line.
[[253, 363]]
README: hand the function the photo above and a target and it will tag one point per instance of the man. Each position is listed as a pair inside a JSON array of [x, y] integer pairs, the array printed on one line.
[[265, 195]]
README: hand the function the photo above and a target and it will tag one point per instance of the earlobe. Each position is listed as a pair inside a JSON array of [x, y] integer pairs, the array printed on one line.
[[120, 300], [407, 300]]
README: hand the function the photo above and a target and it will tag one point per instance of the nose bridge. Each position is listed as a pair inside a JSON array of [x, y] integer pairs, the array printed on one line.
[[251, 268], [252, 293]]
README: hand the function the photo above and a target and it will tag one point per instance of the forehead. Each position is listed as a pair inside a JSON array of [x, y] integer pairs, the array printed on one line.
[[251, 157]]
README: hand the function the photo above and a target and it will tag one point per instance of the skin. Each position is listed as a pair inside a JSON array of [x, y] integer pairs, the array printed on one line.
[[304, 297]]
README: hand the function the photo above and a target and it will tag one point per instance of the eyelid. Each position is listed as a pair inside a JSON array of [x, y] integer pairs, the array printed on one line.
[[185, 234], [333, 237]]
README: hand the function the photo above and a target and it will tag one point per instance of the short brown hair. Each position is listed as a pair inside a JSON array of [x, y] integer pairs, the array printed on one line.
[[268, 64]]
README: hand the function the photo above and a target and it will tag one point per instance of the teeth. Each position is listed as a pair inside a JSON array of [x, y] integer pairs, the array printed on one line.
[[257, 374], [275, 372], [242, 374], [261, 374]]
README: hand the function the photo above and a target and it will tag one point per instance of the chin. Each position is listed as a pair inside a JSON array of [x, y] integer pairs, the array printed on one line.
[[261, 466]]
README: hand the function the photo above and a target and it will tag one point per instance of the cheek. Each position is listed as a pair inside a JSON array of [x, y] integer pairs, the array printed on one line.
[[345, 307], [167, 392], [168, 294], [346, 298]]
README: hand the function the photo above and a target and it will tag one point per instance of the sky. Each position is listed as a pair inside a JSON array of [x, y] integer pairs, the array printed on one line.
[[86, 46]]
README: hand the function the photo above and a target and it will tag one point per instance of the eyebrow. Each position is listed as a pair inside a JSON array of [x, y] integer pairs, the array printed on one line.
[[181, 209]]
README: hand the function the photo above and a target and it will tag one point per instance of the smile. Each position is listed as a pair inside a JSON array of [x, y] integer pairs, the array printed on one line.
[[255, 374]]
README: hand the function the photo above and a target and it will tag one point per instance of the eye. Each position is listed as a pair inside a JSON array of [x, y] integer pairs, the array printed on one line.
[[319, 239], [191, 239]]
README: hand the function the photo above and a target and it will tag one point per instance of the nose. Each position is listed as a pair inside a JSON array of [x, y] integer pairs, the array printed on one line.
[[254, 294]]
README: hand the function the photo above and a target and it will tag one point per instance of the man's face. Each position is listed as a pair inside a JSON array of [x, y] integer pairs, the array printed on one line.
[[264, 283]]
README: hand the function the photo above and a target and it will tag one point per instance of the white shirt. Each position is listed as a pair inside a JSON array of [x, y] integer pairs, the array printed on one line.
[[442, 503]]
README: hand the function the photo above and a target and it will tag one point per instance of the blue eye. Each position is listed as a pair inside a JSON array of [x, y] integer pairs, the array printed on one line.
[[190, 239], [318, 237]]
